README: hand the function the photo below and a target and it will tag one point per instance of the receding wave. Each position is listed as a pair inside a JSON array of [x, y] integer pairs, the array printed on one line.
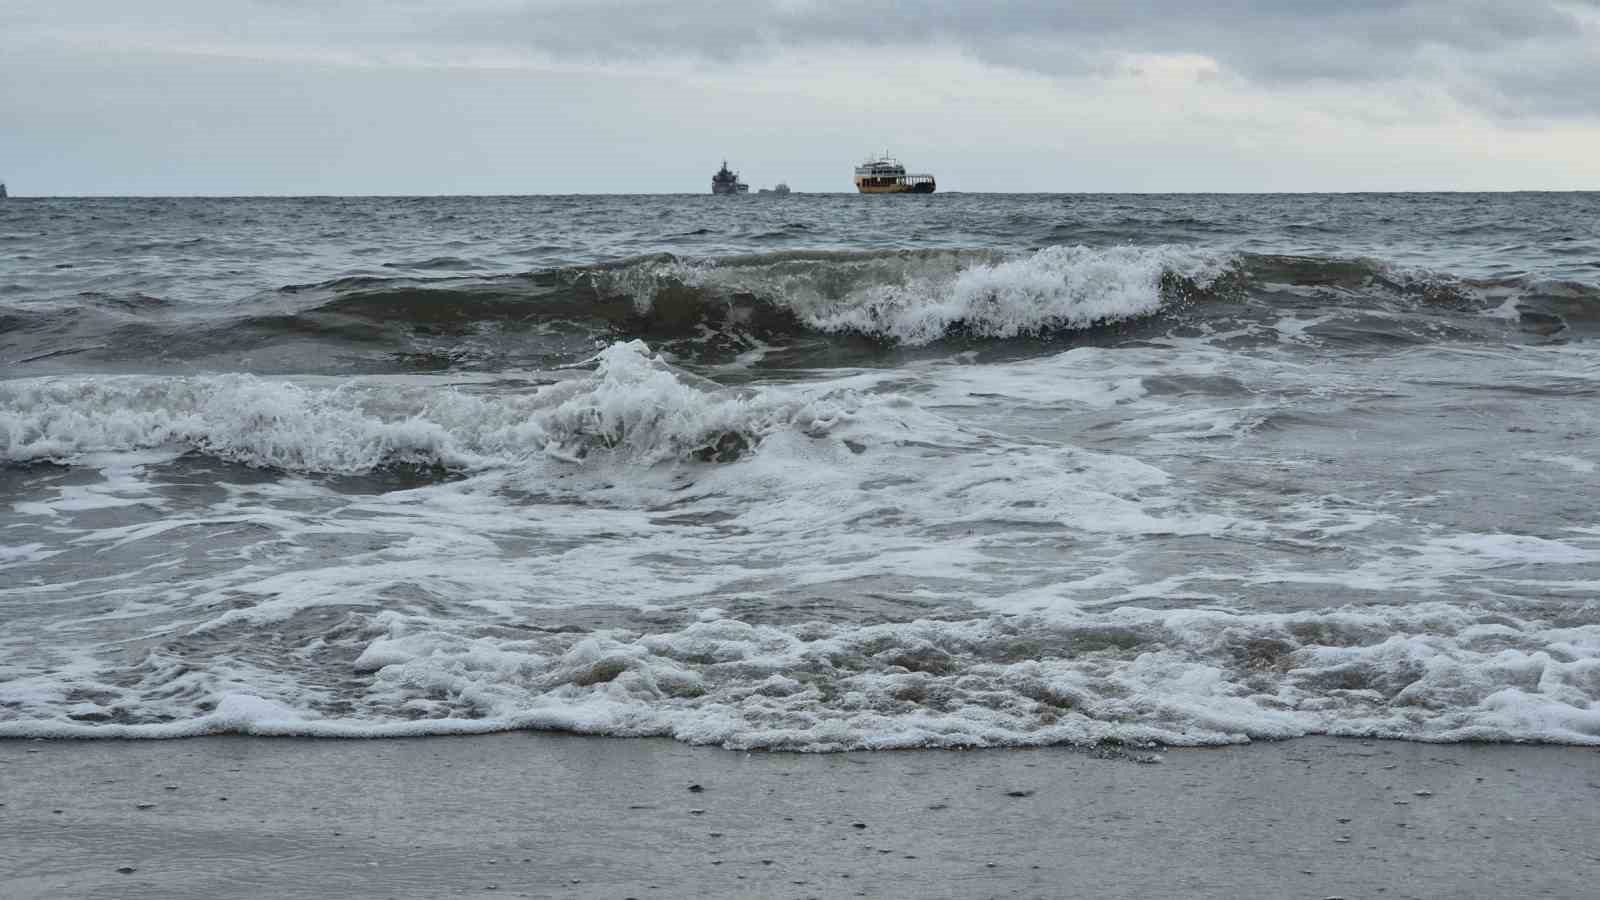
[[1134, 677]]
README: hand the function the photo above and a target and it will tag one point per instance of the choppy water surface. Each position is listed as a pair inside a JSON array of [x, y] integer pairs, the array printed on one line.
[[805, 472]]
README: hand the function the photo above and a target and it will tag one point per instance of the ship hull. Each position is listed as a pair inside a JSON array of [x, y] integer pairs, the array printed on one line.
[[922, 187]]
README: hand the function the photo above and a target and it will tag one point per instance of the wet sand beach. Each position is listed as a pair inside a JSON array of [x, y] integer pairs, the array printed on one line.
[[539, 815]]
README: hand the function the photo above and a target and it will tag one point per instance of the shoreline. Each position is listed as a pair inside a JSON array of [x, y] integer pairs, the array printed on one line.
[[532, 814]]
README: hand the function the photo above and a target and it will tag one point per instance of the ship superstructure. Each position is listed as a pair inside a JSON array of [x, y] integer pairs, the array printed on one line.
[[726, 181], [883, 174]]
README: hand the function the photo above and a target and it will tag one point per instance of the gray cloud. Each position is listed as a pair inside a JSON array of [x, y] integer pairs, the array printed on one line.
[[1511, 58], [1507, 57]]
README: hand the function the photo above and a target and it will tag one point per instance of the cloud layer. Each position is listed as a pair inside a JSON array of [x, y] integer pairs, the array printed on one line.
[[1227, 94], [1512, 57]]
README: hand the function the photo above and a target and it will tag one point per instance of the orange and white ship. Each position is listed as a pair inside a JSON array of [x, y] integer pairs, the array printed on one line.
[[883, 174]]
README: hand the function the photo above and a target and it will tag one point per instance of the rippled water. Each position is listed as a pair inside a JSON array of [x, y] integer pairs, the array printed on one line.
[[804, 472]]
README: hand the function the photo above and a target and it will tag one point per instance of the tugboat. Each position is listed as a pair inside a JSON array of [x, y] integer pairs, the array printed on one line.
[[883, 174], [727, 182]]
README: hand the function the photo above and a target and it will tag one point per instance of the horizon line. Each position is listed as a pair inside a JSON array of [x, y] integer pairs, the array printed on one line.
[[496, 195]]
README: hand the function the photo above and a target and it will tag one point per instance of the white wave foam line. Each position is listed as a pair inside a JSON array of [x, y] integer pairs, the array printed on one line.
[[916, 300], [1057, 287], [1429, 672], [633, 405]]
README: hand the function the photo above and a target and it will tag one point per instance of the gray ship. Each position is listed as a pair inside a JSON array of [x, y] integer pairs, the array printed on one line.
[[727, 181]]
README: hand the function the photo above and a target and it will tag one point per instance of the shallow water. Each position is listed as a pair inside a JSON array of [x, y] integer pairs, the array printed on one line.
[[807, 472]]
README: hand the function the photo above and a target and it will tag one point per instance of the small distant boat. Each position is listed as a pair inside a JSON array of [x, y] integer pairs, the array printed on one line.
[[726, 181], [883, 174], [780, 189], [2, 190]]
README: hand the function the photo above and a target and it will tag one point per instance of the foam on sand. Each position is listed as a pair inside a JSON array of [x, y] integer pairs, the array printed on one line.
[[1193, 677]]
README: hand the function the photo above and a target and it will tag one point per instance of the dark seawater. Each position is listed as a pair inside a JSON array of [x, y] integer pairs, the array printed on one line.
[[803, 472]]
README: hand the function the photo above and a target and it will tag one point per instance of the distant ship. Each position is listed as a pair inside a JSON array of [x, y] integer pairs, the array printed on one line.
[[727, 181], [884, 174], [780, 189], [2, 190]]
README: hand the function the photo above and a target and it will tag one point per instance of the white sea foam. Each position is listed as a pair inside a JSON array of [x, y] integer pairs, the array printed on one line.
[[1081, 378], [1057, 287], [1431, 672], [587, 574]]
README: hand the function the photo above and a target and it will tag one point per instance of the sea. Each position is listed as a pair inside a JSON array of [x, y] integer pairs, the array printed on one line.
[[813, 472]]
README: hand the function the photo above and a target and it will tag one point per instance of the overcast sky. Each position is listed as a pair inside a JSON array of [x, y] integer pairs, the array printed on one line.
[[561, 96]]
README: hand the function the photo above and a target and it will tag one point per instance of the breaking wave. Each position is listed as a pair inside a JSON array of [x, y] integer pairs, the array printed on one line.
[[895, 298], [633, 405], [919, 298], [701, 307]]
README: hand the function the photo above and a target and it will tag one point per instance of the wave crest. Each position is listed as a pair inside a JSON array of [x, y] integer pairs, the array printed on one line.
[[919, 298], [632, 406]]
